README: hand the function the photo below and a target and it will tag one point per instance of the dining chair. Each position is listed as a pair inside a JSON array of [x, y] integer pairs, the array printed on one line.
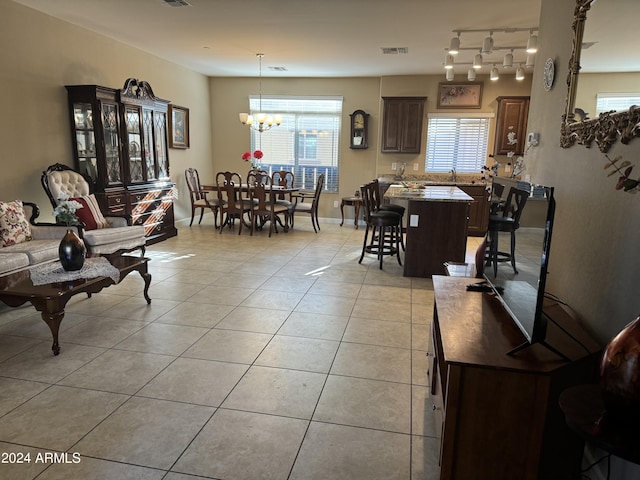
[[230, 202], [310, 207], [262, 203], [508, 220], [199, 198]]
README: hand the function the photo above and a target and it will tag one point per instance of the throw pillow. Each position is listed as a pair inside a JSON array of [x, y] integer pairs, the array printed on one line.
[[14, 226], [90, 213]]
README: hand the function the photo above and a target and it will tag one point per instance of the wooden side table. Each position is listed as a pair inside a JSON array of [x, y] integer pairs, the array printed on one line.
[[356, 203]]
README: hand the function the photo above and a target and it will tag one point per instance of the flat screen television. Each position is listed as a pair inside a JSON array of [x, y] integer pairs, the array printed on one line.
[[522, 293]]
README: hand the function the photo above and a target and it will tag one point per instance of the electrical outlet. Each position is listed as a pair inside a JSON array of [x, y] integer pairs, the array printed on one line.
[[415, 167], [394, 166], [335, 204]]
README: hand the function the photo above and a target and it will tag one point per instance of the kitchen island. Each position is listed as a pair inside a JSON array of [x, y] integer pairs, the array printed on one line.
[[436, 219]]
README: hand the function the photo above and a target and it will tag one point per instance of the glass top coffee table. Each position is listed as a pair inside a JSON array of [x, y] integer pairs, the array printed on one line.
[[50, 299]]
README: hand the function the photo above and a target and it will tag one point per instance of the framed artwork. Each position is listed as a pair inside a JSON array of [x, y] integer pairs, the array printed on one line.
[[178, 127], [460, 94]]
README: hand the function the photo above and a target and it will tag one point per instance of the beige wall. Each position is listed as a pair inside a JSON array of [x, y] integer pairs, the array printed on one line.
[[39, 56], [591, 84]]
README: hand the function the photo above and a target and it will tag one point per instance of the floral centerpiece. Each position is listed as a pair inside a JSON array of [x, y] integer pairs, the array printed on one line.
[[253, 158], [66, 210]]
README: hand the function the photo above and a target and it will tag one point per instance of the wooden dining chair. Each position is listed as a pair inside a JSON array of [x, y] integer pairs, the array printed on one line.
[[199, 198], [310, 206], [262, 203], [231, 204]]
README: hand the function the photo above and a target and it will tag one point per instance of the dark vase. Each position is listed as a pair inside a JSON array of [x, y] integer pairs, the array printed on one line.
[[71, 251], [620, 375]]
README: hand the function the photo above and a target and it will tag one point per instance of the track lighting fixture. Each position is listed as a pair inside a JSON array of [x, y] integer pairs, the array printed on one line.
[[487, 44], [494, 75], [454, 45], [531, 61], [477, 61], [532, 43], [488, 47], [507, 61], [449, 75], [448, 62]]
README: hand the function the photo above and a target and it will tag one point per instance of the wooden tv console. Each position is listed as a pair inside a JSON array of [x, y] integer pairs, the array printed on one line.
[[497, 416]]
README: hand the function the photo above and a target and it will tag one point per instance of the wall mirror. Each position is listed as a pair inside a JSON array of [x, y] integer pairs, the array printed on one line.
[[603, 60]]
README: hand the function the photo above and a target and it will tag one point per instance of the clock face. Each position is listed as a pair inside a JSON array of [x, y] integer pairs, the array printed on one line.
[[549, 74], [358, 121]]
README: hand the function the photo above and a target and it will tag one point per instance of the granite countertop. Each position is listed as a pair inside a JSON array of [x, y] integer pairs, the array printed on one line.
[[428, 194], [433, 179]]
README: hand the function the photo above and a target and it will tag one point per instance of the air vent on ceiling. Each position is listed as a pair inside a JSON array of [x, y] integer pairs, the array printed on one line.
[[394, 50], [177, 3], [278, 69]]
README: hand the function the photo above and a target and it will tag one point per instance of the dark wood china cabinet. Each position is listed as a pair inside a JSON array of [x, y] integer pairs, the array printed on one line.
[[120, 143]]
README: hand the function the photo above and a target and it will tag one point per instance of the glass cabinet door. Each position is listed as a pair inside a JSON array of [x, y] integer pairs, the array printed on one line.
[[161, 144], [150, 153], [111, 143], [134, 143], [85, 140]]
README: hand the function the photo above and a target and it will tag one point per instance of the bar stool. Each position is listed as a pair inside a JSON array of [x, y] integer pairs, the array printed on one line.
[[385, 227], [507, 221], [392, 207]]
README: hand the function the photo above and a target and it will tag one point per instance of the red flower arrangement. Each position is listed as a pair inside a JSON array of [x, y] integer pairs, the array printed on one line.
[[257, 155]]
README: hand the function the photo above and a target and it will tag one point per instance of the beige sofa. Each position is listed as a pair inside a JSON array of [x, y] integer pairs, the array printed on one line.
[[41, 247]]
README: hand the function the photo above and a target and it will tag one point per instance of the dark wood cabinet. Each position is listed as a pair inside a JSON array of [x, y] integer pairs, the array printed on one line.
[[120, 143], [497, 416], [402, 120], [478, 209], [512, 117]]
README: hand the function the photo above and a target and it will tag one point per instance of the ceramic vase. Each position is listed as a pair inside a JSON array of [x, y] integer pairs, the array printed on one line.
[[71, 251], [620, 375]]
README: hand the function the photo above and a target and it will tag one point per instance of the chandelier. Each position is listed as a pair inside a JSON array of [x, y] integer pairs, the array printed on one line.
[[260, 122]]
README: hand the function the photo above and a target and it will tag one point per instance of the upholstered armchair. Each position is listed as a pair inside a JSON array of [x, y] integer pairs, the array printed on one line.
[[102, 235]]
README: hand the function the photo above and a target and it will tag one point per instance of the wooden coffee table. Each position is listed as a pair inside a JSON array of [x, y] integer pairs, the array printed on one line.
[[50, 299]]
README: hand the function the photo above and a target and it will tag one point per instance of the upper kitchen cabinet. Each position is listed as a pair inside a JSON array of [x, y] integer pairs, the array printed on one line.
[[402, 119], [120, 143], [512, 118]]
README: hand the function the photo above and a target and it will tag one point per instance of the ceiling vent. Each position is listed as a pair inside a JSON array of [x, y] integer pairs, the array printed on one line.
[[278, 69], [177, 3], [394, 50]]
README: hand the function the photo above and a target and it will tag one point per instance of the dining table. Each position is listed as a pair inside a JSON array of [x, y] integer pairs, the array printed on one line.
[[244, 188]]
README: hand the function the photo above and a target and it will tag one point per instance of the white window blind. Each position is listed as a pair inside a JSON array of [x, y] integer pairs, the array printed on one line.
[[307, 141], [619, 102], [457, 141]]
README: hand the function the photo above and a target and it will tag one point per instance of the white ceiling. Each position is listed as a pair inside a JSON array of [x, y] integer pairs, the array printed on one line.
[[310, 38]]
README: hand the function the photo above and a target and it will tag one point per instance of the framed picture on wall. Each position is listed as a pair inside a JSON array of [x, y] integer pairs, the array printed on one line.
[[178, 127], [460, 94]]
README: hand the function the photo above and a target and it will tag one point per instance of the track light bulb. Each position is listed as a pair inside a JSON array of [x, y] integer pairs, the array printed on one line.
[[471, 74], [519, 73], [507, 62], [494, 75], [531, 61]]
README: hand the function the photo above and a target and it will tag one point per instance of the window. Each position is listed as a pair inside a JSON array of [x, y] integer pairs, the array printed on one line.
[[620, 102], [456, 141], [307, 142]]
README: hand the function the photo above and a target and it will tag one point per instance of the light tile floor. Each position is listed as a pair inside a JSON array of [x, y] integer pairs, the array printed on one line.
[[269, 358]]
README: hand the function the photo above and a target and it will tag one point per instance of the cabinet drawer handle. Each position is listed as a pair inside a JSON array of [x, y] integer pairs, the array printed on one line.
[[428, 354], [436, 408], [118, 200]]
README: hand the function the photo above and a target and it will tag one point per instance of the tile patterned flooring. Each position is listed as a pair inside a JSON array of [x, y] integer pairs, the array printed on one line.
[[258, 358]]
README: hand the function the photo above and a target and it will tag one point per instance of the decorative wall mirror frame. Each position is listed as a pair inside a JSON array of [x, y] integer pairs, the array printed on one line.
[[609, 127]]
